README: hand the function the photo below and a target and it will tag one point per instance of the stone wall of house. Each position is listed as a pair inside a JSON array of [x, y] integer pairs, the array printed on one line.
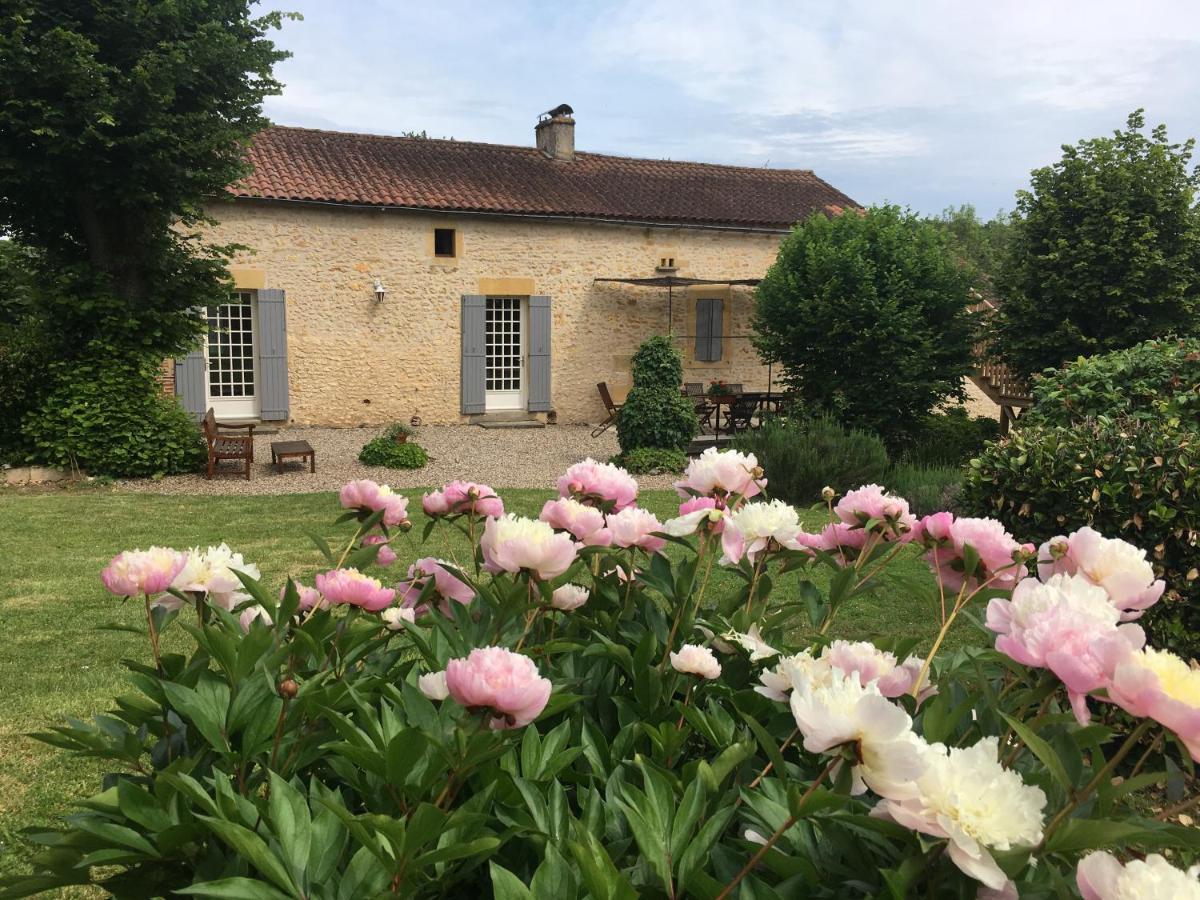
[[354, 360]]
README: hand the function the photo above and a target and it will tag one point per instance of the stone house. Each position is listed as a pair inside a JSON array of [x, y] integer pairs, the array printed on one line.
[[387, 277]]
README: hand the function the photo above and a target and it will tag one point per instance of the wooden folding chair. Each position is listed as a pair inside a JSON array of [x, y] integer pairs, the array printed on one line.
[[611, 408], [222, 445]]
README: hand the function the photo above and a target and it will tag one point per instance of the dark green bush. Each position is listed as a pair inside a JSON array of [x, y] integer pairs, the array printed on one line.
[[949, 438], [927, 488], [652, 461], [656, 414], [22, 383], [109, 416], [1128, 478], [802, 457], [1153, 380], [384, 451]]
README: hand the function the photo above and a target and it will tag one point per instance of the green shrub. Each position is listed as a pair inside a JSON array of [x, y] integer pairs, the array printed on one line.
[[1153, 380], [384, 451], [949, 438], [802, 457], [927, 488], [652, 461], [656, 414], [109, 416], [23, 377], [1128, 478]]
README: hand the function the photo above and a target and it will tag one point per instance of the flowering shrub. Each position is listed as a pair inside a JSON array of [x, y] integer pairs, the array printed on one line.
[[573, 709]]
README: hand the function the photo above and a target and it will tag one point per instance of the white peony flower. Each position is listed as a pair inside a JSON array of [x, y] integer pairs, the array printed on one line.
[[802, 668], [750, 530], [844, 711], [212, 572], [965, 795], [693, 659], [569, 596], [396, 617], [753, 643], [1101, 876], [433, 685]]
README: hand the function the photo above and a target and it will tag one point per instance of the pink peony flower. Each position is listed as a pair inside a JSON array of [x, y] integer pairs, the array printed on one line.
[[692, 659], [251, 613], [1100, 876], [136, 572], [585, 523], [894, 521], [878, 667], [368, 496], [722, 473], [310, 598], [462, 498], [837, 539], [352, 587], [599, 484], [569, 597], [446, 585], [1056, 626], [1001, 557], [1155, 684], [505, 683], [635, 527], [695, 514], [1115, 565], [933, 528], [514, 544], [433, 685], [386, 555]]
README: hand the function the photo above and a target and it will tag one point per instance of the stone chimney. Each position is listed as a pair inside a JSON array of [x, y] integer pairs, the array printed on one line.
[[555, 133]]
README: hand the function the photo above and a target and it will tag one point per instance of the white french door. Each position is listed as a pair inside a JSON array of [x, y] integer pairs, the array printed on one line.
[[231, 357], [504, 364]]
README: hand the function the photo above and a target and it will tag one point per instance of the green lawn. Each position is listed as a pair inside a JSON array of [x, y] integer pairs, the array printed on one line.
[[56, 662]]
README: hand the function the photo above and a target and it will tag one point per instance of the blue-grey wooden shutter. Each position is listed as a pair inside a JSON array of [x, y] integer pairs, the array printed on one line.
[[272, 356], [474, 325], [191, 376], [709, 328], [538, 360]]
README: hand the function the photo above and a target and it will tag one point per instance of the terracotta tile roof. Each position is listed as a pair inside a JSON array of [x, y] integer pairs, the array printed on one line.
[[335, 167]]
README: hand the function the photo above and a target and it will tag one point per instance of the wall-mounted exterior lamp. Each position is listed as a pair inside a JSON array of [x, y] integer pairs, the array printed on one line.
[[380, 291]]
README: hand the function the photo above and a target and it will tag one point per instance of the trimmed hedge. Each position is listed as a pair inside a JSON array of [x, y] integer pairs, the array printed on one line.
[[652, 461], [109, 416], [1131, 478], [1153, 380], [654, 413]]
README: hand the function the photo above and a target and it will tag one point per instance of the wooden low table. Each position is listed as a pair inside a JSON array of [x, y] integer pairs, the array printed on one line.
[[281, 450]]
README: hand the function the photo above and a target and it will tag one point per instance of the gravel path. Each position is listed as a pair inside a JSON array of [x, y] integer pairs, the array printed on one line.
[[501, 457]]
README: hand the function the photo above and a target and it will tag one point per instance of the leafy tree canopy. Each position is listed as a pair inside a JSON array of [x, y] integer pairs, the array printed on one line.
[[120, 121], [869, 315], [980, 243], [1104, 250]]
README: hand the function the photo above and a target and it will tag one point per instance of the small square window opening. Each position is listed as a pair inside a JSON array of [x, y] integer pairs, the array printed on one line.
[[443, 242]]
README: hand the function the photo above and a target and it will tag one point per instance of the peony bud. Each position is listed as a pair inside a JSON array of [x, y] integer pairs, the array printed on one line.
[[288, 689], [828, 493]]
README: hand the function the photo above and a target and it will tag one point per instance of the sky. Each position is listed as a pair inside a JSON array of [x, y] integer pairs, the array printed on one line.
[[923, 103]]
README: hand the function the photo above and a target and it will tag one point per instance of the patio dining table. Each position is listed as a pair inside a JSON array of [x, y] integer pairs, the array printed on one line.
[[765, 401]]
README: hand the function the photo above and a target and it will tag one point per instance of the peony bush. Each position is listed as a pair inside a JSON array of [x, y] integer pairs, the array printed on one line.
[[573, 709]]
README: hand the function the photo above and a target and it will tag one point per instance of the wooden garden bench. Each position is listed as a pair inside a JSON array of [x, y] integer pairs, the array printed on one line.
[[223, 445]]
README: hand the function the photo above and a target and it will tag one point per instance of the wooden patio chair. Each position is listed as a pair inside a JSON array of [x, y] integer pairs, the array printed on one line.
[[223, 445], [741, 413], [611, 408], [694, 391]]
